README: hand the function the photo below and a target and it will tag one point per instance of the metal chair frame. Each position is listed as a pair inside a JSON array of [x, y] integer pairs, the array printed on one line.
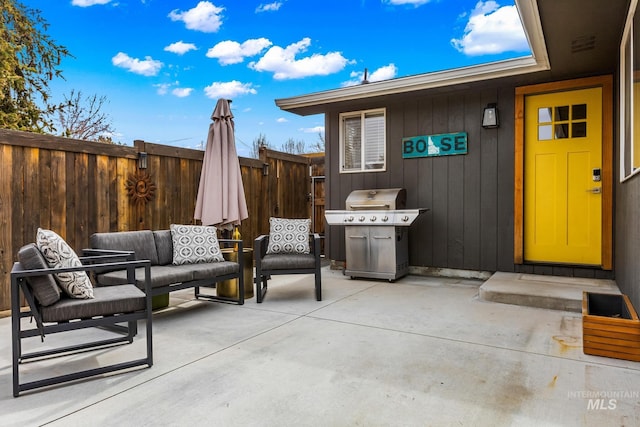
[[262, 275], [122, 324]]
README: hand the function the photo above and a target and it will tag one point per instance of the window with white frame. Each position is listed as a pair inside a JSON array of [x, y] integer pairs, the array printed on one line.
[[630, 95], [362, 141]]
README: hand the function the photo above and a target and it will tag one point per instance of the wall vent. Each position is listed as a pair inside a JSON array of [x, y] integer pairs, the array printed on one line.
[[583, 43]]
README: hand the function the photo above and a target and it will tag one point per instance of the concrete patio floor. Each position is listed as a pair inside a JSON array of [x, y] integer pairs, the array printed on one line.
[[419, 352]]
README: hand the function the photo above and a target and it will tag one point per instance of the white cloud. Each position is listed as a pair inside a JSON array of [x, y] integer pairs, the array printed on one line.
[[416, 3], [316, 129], [163, 88], [383, 73], [270, 7], [205, 17], [116, 136], [180, 47], [282, 120], [492, 29], [284, 65], [230, 52], [87, 3], [228, 90], [182, 92], [146, 67]]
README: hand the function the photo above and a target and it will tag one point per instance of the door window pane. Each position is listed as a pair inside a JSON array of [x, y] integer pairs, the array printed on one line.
[[556, 122], [579, 112], [562, 113], [579, 130], [562, 131], [544, 115], [544, 133]]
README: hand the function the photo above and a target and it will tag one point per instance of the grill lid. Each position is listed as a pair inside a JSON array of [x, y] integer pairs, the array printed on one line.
[[380, 199]]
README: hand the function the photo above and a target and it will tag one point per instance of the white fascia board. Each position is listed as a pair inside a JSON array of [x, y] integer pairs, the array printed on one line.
[[538, 61]]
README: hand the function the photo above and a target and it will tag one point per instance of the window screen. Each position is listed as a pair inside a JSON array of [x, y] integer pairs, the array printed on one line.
[[362, 141]]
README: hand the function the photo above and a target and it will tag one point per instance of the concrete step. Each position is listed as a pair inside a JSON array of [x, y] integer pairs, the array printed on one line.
[[551, 292]]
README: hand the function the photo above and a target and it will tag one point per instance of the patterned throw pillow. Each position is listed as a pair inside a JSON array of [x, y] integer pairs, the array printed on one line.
[[288, 236], [45, 288], [194, 243], [58, 254]]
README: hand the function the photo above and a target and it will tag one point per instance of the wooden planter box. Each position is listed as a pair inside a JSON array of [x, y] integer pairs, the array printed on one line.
[[610, 326]]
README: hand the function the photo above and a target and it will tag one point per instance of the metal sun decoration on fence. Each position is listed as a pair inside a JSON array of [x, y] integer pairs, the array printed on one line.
[[140, 188]]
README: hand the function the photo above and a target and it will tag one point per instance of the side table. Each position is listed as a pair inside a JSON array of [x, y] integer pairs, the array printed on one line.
[[229, 288]]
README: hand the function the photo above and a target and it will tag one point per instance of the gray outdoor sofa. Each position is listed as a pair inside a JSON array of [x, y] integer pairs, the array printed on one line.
[[157, 247]]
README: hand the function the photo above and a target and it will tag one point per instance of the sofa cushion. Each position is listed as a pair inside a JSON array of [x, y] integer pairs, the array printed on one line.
[[164, 246], [59, 254], [213, 269], [44, 288], [108, 300], [288, 236], [161, 275], [288, 261], [141, 242], [194, 244]]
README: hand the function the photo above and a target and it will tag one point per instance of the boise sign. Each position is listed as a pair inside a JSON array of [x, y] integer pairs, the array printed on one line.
[[445, 144]]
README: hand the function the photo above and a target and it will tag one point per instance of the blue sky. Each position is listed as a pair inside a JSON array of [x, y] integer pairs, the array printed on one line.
[[163, 64]]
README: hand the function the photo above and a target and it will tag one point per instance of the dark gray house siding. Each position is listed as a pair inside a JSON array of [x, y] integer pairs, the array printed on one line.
[[627, 238], [470, 222]]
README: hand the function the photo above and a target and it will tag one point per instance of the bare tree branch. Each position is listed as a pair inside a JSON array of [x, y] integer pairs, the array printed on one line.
[[260, 141], [84, 119]]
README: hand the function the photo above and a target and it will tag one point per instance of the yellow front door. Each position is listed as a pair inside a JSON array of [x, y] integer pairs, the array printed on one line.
[[562, 177]]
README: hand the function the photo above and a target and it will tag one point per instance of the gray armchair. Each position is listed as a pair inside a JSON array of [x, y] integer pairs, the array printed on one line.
[[268, 265], [114, 309]]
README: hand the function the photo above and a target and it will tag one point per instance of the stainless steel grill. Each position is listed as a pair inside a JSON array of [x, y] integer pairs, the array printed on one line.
[[376, 232]]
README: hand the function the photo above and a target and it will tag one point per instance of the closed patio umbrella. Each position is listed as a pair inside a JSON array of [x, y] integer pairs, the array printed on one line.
[[221, 201]]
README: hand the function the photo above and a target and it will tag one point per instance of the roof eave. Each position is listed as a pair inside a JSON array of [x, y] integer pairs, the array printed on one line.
[[538, 61]]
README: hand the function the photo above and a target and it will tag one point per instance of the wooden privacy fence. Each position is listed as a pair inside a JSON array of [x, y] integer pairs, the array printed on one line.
[[77, 188]]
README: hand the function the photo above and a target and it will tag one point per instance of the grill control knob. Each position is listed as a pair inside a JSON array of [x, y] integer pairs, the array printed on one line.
[[361, 218], [405, 218], [373, 218], [350, 218], [385, 218]]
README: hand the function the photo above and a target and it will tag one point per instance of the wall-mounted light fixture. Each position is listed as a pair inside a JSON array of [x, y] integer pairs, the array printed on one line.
[[265, 169], [142, 160], [490, 118]]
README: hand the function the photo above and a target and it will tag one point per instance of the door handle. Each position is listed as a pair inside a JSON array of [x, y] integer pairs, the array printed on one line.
[[595, 190]]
